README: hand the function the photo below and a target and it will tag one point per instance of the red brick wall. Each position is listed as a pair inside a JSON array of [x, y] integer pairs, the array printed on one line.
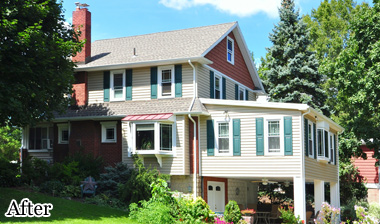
[[82, 21], [206, 179], [80, 91], [237, 71], [367, 167], [60, 151], [89, 134]]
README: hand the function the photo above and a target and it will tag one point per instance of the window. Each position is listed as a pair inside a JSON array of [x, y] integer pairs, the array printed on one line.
[[332, 150], [223, 137], [323, 144], [109, 132], [117, 85], [230, 50], [154, 136], [241, 93], [218, 87], [63, 133], [310, 139], [166, 81], [274, 136], [41, 138]]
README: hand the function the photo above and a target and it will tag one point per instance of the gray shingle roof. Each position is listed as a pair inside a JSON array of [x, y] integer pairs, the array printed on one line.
[[178, 44], [125, 108]]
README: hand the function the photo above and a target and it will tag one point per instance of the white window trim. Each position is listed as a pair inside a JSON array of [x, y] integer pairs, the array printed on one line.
[[112, 93], [105, 126], [28, 140], [220, 86], [230, 136], [244, 92], [331, 142], [233, 50], [156, 137], [63, 127], [324, 158], [266, 136], [159, 81], [311, 155]]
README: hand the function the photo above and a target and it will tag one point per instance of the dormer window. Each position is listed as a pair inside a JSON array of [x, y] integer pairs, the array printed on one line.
[[230, 50], [166, 82]]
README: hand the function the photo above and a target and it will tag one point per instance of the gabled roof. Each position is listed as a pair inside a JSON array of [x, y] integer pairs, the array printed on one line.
[[163, 46]]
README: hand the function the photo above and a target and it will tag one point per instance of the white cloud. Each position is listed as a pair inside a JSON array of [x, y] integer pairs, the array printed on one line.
[[241, 8]]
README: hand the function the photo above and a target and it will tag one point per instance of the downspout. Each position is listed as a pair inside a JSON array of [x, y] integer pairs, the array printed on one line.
[[195, 137]]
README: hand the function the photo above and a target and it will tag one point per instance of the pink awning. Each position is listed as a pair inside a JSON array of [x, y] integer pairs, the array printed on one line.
[[143, 117]]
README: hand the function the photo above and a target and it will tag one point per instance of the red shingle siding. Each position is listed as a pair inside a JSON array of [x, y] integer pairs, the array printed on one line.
[[89, 135], [367, 167], [237, 71], [82, 21]]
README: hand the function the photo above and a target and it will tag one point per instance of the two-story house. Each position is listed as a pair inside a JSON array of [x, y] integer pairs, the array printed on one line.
[[186, 102]]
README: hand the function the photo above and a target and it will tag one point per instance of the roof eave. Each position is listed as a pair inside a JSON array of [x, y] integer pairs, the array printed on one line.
[[201, 60], [112, 117]]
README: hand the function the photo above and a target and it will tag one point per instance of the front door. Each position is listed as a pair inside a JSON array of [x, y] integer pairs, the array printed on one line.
[[215, 195]]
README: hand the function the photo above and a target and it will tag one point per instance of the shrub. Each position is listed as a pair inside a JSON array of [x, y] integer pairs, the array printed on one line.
[[363, 216], [113, 177], [53, 187], [88, 165], [328, 214], [197, 211], [9, 174], [105, 201], [232, 212], [288, 216], [70, 191], [374, 210], [34, 171]]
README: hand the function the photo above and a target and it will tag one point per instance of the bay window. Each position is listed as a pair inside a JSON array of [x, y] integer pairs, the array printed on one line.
[[310, 139], [153, 136], [323, 144]]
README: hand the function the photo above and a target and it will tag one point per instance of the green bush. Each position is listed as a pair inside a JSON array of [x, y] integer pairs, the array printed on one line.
[[232, 212], [53, 187], [9, 174], [70, 191], [374, 210], [197, 211], [113, 177], [105, 201], [88, 165], [34, 171], [288, 216]]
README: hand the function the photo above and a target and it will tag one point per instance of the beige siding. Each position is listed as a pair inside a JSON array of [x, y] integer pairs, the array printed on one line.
[[320, 171], [251, 96], [141, 84], [173, 165], [95, 87], [203, 79], [248, 164], [47, 156], [230, 86], [187, 81]]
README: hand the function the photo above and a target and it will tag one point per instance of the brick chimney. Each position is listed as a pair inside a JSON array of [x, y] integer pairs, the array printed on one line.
[[82, 22]]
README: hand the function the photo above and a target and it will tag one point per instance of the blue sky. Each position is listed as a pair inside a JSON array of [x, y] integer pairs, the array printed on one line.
[[120, 18]]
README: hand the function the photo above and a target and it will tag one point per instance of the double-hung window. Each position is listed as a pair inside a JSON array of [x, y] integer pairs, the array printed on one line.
[[323, 144], [117, 85], [109, 132], [154, 136], [230, 50], [332, 149], [241, 95], [41, 138], [274, 136], [218, 87], [166, 81], [310, 139], [223, 133], [63, 133]]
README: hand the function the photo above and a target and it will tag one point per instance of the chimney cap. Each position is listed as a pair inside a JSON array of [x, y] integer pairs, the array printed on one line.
[[83, 5]]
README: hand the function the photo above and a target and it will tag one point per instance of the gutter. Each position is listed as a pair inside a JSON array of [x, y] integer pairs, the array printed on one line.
[[194, 135]]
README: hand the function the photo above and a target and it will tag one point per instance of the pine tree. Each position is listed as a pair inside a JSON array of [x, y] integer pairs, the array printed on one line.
[[291, 69]]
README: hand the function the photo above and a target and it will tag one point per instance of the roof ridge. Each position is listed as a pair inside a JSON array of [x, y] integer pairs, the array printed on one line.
[[165, 31]]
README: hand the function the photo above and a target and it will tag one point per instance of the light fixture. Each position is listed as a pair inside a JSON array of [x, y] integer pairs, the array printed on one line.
[[265, 181], [287, 183], [237, 191], [189, 189], [226, 116]]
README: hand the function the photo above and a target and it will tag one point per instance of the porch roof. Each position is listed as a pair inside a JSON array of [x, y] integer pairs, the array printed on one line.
[[144, 117]]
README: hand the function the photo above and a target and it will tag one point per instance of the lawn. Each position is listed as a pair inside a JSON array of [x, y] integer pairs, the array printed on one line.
[[64, 211]]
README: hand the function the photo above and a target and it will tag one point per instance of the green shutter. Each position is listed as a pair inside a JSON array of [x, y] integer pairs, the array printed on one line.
[[212, 90], [224, 90], [259, 136], [236, 137], [153, 82], [106, 85], [236, 92], [288, 136], [335, 150], [246, 94], [306, 140], [210, 138], [178, 80], [315, 140], [128, 84]]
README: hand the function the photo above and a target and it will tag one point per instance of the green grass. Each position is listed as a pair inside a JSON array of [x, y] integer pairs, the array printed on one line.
[[64, 211]]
